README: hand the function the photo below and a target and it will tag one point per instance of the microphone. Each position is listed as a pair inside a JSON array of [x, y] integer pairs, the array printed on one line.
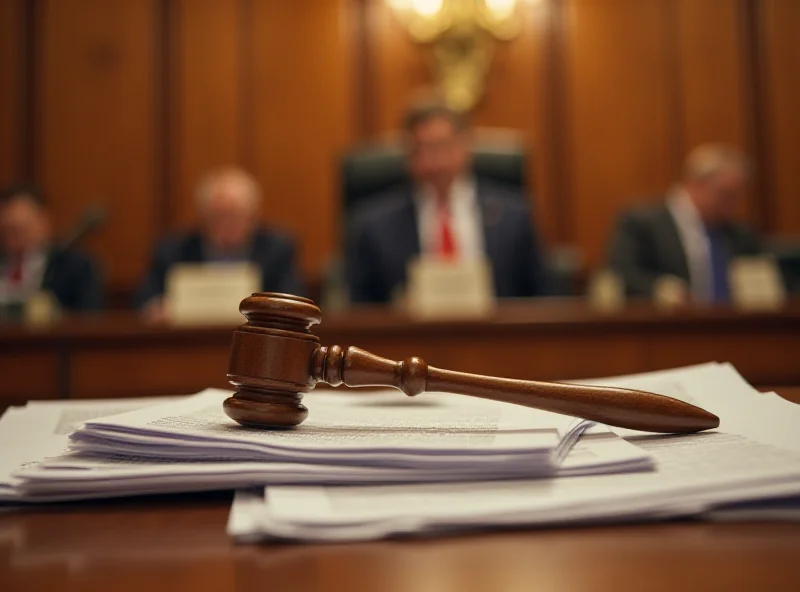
[[94, 216]]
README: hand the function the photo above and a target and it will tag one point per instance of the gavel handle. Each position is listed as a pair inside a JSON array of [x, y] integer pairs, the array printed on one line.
[[625, 408]]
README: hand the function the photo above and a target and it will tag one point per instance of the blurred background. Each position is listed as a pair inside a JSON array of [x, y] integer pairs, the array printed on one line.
[[116, 109], [128, 102]]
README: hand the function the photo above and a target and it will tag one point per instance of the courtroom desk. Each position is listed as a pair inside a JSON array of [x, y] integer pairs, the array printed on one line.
[[117, 355], [113, 355], [179, 544], [566, 339]]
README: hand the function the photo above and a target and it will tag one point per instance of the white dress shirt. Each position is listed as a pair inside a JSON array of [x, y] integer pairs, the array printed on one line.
[[466, 221], [692, 233], [33, 267]]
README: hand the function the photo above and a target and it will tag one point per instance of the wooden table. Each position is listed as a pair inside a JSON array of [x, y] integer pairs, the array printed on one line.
[[176, 544], [117, 355]]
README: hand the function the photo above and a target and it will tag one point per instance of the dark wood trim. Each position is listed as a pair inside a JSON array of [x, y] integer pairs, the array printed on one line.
[[756, 96], [246, 85], [360, 29], [19, 166], [678, 146], [162, 138], [556, 104], [636, 339], [29, 127], [171, 15]]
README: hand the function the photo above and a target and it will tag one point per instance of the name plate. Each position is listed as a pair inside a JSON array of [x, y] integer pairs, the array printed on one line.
[[606, 291], [42, 309], [756, 283], [442, 289], [670, 292], [209, 293]]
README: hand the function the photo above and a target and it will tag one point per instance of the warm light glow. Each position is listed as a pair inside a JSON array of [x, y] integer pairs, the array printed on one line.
[[427, 7], [400, 4], [501, 9], [461, 35]]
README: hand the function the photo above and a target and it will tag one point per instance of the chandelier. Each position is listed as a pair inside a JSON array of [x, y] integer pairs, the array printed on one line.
[[461, 34]]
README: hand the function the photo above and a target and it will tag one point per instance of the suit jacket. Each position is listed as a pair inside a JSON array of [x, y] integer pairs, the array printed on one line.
[[75, 280], [383, 237], [647, 245], [272, 252]]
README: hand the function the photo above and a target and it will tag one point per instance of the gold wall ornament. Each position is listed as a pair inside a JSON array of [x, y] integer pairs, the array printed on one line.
[[462, 34]]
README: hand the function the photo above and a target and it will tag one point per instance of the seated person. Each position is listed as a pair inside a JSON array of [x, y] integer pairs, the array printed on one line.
[[228, 204], [30, 261], [692, 234], [445, 212]]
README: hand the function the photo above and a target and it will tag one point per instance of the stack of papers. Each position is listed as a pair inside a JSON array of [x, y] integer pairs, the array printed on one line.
[[40, 430], [189, 444], [748, 469], [376, 464]]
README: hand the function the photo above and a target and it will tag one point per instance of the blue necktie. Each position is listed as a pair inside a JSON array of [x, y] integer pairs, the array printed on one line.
[[718, 255]]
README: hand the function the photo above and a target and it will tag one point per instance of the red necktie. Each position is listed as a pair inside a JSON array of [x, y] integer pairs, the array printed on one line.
[[447, 243], [15, 277]]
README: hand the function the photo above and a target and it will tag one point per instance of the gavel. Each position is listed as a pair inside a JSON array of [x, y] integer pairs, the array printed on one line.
[[275, 359]]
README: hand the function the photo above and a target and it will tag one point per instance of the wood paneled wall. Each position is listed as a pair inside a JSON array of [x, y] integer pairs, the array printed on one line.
[[127, 102], [12, 67]]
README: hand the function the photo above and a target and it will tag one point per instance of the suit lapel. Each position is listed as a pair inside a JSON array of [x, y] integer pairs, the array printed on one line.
[[49, 268], [673, 248], [491, 215], [193, 250], [407, 231], [259, 248]]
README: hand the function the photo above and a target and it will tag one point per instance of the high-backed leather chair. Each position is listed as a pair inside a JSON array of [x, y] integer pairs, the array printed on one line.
[[370, 171]]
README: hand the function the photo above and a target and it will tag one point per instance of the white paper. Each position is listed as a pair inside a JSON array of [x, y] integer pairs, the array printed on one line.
[[347, 422], [82, 475], [61, 418], [750, 468], [39, 430], [177, 447], [694, 473]]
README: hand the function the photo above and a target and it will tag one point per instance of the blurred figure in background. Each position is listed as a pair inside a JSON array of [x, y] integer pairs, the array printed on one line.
[[30, 261], [444, 212], [228, 205], [693, 234]]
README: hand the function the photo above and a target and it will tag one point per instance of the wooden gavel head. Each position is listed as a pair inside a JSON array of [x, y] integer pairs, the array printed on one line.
[[271, 359], [275, 359]]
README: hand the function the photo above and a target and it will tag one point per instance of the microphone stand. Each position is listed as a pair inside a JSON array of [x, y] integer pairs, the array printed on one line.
[[43, 308]]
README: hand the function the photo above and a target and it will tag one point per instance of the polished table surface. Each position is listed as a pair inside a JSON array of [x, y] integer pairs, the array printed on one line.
[[118, 355], [179, 543], [176, 543]]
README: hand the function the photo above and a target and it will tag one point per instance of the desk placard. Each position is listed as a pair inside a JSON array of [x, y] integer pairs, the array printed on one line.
[[606, 291], [441, 289], [42, 309], [209, 292], [670, 292], [756, 283]]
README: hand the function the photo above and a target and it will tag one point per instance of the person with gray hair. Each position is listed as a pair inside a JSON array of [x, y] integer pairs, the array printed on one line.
[[692, 234], [228, 202]]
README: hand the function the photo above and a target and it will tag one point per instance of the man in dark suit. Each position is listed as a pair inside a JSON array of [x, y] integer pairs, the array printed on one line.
[[228, 202], [692, 235], [30, 262], [445, 212]]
